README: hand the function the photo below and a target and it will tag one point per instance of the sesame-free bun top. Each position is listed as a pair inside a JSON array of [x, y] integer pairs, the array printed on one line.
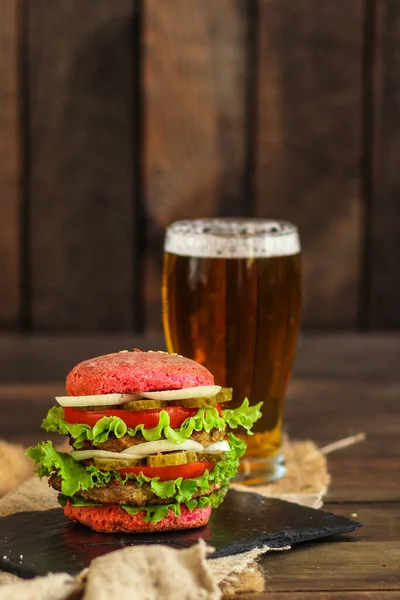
[[129, 372]]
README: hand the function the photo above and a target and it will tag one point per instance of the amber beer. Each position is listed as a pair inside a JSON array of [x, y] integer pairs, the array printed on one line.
[[232, 301]]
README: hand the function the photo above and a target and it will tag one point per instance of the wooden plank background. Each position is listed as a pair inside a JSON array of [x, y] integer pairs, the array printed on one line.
[[385, 198], [117, 118], [81, 164], [10, 164], [309, 143]]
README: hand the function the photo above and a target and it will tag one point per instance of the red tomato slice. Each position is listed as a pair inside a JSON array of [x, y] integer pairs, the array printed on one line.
[[166, 473], [148, 418]]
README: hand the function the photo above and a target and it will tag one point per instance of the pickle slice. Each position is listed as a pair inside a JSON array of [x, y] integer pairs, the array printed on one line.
[[195, 402], [172, 459], [143, 404], [109, 464], [210, 456], [225, 395]]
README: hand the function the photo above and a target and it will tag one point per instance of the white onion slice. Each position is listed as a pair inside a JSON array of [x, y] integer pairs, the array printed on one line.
[[202, 391], [142, 450], [222, 446], [99, 400], [139, 450], [85, 454]]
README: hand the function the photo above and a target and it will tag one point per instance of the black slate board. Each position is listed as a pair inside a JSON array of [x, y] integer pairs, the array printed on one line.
[[34, 543]]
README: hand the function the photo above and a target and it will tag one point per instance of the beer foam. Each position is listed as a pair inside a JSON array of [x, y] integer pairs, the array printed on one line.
[[232, 238]]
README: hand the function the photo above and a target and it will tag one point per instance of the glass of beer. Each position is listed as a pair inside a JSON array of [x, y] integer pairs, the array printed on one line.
[[231, 295]]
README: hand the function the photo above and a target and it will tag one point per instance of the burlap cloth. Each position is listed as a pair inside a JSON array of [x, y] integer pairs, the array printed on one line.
[[305, 482]]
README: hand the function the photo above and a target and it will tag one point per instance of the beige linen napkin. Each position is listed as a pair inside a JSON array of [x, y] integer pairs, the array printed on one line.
[[152, 572], [140, 573], [55, 586], [306, 480], [15, 467]]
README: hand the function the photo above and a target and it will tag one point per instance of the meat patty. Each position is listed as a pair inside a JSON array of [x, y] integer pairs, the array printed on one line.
[[130, 493], [114, 444]]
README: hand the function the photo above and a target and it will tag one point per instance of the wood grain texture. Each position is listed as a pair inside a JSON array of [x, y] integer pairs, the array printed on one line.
[[349, 356], [51, 357], [342, 595], [344, 356], [380, 522], [367, 471], [361, 478], [344, 564], [308, 146], [195, 88], [10, 163], [367, 559], [81, 155], [385, 201], [360, 401]]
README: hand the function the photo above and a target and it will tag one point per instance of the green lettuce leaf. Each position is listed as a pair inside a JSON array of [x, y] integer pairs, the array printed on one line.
[[76, 476], [206, 419], [244, 416], [156, 512]]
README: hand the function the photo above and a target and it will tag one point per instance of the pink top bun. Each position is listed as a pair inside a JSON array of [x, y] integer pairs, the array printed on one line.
[[128, 372]]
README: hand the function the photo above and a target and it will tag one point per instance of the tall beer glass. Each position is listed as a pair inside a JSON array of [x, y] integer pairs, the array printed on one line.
[[232, 301]]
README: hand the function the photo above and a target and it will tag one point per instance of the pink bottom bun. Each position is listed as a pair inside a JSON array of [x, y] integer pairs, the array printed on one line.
[[111, 518]]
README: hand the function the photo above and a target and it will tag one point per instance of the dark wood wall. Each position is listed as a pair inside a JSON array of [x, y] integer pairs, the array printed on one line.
[[119, 116]]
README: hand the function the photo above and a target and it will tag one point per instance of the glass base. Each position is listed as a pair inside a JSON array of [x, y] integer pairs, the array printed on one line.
[[259, 471]]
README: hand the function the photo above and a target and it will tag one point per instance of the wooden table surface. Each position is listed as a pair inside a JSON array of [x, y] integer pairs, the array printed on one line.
[[342, 384]]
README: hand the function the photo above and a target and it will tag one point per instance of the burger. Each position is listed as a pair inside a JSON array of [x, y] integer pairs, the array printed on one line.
[[151, 443]]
